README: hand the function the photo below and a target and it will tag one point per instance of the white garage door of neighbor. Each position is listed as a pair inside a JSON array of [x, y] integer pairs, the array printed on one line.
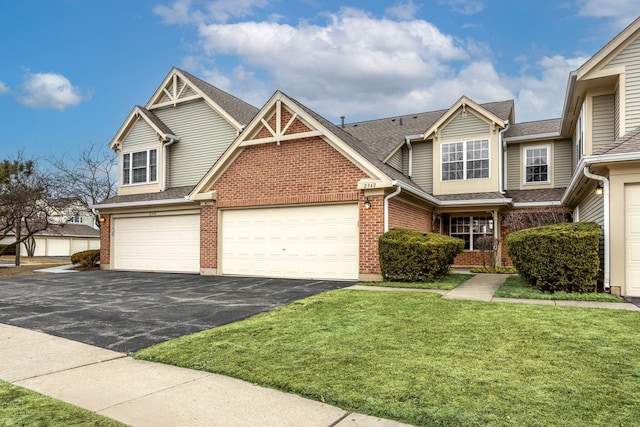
[[318, 242], [632, 201], [168, 243]]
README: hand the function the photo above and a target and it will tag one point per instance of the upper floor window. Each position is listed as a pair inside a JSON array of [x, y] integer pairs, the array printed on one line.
[[75, 219], [140, 167], [536, 165], [465, 160]]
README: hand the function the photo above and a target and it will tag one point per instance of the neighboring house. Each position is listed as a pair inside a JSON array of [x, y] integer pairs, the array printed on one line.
[[72, 230], [210, 185]]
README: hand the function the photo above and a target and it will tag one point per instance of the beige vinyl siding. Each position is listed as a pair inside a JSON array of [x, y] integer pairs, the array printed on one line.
[[395, 161], [603, 126], [630, 58], [405, 160], [423, 165], [463, 128], [514, 177], [204, 135], [141, 135], [592, 210], [562, 163], [616, 114]]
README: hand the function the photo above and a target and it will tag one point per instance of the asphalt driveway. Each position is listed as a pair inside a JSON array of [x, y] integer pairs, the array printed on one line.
[[126, 311]]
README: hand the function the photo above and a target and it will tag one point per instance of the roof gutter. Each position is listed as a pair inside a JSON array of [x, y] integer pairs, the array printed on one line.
[[504, 201], [171, 139], [605, 181], [538, 136], [501, 158], [400, 186], [407, 141], [141, 203]]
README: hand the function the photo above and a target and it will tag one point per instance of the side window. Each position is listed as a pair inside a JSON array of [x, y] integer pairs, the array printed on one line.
[[140, 167]]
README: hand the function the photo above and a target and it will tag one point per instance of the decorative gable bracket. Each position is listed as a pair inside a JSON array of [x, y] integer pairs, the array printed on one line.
[[280, 133]]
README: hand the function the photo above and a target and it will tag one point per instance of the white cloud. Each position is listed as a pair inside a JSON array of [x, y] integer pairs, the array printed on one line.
[[405, 10], [542, 97], [50, 90], [466, 7], [621, 12], [185, 11], [4, 88]]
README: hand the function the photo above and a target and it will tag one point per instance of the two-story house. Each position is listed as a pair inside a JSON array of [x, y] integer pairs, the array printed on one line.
[[212, 185]]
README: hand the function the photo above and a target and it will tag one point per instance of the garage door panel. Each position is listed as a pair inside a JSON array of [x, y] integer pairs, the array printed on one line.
[[632, 197], [293, 242], [159, 243]]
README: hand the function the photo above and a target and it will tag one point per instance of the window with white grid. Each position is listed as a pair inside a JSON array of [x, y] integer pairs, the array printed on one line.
[[465, 160]]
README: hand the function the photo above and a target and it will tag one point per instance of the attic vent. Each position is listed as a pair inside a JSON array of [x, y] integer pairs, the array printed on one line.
[[415, 117], [400, 121], [342, 121]]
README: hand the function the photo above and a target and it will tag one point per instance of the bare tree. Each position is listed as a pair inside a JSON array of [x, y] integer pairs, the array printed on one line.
[[535, 217], [88, 178], [24, 196]]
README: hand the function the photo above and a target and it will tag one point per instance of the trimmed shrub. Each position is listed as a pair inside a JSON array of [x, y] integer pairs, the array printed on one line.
[[561, 257], [413, 256], [8, 249], [86, 259]]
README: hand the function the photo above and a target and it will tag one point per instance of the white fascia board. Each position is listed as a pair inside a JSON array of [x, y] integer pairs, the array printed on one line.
[[475, 202], [539, 136], [534, 204], [142, 203]]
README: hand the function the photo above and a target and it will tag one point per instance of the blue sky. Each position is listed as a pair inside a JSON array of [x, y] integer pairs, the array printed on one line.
[[72, 70]]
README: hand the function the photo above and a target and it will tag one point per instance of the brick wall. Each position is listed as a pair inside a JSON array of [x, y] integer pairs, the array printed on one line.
[[208, 235], [105, 241], [405, 215], [371, 228], [474, 258]]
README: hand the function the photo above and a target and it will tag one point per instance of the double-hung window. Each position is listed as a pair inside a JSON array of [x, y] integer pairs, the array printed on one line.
[[140, 167], [536, 165], [465, 160], [470, 228]]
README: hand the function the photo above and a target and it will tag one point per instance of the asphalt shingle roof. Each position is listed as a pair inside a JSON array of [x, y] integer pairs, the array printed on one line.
[[241, 111], [168, 194], [536, 196], [155, 120], [383, 136], [533, 128], [629, 143]]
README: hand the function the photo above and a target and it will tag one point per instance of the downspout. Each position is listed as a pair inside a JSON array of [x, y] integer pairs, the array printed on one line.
[[171, 140], [605, 182], [502, 160], [386, 207]]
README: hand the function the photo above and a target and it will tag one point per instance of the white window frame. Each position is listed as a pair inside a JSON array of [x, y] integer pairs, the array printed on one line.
[[465, 159], [470, 233], [75, 219], [148, 167], [525, 156]]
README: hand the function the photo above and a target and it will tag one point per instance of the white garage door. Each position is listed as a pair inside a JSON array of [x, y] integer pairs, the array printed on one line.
[[318, 242], [157, 243], [632, 201]]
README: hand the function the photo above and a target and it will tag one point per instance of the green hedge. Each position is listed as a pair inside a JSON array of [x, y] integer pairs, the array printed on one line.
[[413, 256], [561, 257], [10, 249], [86, 259]]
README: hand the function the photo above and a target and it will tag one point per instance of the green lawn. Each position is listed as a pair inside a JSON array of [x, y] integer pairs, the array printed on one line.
[[22, 407], [516, 287], [446, 283], [417, 358]]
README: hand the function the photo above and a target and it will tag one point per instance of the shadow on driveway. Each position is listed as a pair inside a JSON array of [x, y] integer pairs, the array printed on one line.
[[127, 311]]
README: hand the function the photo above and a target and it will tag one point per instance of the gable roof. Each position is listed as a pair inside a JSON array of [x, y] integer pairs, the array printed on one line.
[[149, 117], [384, 136], [240, 110]]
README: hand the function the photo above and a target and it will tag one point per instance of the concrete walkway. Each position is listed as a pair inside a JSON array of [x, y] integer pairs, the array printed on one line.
[[481, 287], [142, 393]]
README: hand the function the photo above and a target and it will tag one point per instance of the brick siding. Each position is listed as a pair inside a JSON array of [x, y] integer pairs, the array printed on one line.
[[405, 215], [105, 240]]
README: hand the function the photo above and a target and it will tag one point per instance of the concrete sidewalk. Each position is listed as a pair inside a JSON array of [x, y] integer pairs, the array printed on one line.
[[481, 287], [142, 393]]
